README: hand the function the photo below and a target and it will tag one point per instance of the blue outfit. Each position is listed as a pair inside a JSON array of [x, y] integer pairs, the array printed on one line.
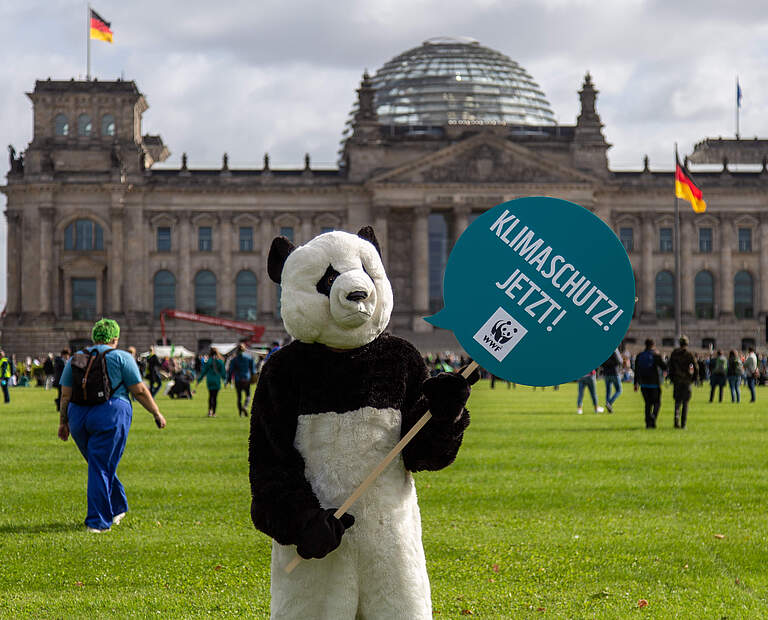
[[241, 369], [100, 433]]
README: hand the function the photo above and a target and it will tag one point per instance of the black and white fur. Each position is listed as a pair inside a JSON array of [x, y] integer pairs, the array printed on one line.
[[327, 409]]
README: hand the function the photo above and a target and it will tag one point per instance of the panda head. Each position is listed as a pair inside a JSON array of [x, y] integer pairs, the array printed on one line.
[[334, 288]]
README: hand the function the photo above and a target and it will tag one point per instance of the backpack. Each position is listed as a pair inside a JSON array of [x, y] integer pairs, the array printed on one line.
[[90, 379], [721, 366], [644, 363]]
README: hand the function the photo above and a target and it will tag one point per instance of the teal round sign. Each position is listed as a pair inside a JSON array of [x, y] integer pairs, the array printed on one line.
[[538, 291]]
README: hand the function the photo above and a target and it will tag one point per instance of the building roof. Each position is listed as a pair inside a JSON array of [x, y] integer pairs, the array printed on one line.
[[82, 86]]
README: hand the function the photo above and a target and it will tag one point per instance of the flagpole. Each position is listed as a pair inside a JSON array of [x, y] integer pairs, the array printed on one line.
[[88, 39], [737, 107], [676, 243]]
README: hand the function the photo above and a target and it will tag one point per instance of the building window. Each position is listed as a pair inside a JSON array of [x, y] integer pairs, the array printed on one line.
[[205, 293], [246, 239], [708, 343], [205, 239], [84, 292], [704, 294], [667, 342], [164, 285], [743, 294], [746, 343], [665, 295], [61, 125], [83, 235], [287, 232], [705, 240], [745, 239], [627, 238], [665, 239], [107, 125], [438, 256], [326, 229], [84, 126], [246, 295], [164, 239]]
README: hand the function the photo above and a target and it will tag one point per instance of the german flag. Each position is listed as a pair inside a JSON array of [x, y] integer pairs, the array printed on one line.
[[100, 28], [686, 189]]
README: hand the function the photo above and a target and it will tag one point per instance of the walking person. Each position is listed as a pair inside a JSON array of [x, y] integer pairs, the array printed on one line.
[[751, 373], [718, 367], [241, 371], [101, 430], [214, 372], [682, 372], [648, 369], [5, 376], [58, 368], [611, 369], [588, 381], [153, 372], [734, 373]]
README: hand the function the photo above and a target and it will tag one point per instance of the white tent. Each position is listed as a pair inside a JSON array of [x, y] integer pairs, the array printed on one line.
[[171, 351]]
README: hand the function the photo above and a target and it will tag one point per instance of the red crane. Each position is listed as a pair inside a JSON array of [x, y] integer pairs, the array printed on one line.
[[252, 332]]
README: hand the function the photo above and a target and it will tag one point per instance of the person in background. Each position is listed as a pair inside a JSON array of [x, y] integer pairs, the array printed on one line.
[[153, 372], [648, 369], [275, 347], [214, 373], [241, 369], [735, 370], [682, 372], [588, 381], [751, 372], [58, 368], [100, 431], [48, 370], [718, 368], [611, 369], [5, 376]]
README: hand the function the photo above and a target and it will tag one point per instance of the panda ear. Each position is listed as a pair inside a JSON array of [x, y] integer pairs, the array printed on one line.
[[367, 233], [281, 248]]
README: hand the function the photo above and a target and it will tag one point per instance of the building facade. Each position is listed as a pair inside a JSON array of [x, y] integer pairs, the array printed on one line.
[[96, 227]]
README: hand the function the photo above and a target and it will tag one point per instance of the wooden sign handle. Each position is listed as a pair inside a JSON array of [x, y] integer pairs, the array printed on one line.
[[382, 466]]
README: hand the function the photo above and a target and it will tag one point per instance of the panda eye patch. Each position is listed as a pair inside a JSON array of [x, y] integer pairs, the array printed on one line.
[[326, 281]]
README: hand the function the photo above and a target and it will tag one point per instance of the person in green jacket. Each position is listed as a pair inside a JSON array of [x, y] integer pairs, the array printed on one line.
[[214, 372]]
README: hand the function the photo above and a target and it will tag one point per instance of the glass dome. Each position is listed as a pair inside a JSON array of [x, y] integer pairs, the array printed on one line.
[[455, 81]]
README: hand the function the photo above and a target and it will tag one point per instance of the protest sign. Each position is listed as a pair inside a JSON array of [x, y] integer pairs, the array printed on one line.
[[538, 291]]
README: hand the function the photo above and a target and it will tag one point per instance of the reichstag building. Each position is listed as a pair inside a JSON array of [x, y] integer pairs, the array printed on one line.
[[438, 134]]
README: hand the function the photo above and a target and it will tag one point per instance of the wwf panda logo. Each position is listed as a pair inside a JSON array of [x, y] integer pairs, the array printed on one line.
[[503, 331]]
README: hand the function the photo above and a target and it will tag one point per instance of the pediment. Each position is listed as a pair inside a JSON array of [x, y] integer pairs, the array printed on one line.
[[484, 158]]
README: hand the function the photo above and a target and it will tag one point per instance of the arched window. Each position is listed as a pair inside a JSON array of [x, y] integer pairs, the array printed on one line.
[[246, 299], [84, 126], [438, 256], [107, 125], [704, 295], [743, 295], [164, 286], [205, 293], [61, 125], [83, 235], [665, 295]]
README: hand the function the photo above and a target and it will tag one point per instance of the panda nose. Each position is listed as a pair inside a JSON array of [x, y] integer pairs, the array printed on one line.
[[357, 296]]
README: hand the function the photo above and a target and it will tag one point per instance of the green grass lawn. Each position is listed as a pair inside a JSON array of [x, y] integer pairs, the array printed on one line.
[[544, 514]]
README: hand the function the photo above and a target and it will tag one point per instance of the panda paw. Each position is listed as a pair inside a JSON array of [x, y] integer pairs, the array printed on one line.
[[446, 394], [322, 533]]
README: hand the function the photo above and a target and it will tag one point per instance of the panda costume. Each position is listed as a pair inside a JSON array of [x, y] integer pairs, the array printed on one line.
[[327, 409]]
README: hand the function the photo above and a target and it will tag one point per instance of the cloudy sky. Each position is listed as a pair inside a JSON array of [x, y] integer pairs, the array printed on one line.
[[278, 76]]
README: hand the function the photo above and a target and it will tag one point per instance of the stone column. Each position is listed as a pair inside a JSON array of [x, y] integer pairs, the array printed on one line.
[[227, 295], [687, 233], [267, 288], [420, 279], [306, 228], [14, 259], [647, 292], [184, 284], [47, 212], [134, 258], [68, 294], [763, 276], [727, 242], [117, 247], [381, 228], [460, 221]]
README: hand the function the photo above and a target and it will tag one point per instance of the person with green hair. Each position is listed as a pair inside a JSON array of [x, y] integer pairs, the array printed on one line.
[[101, 431]]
